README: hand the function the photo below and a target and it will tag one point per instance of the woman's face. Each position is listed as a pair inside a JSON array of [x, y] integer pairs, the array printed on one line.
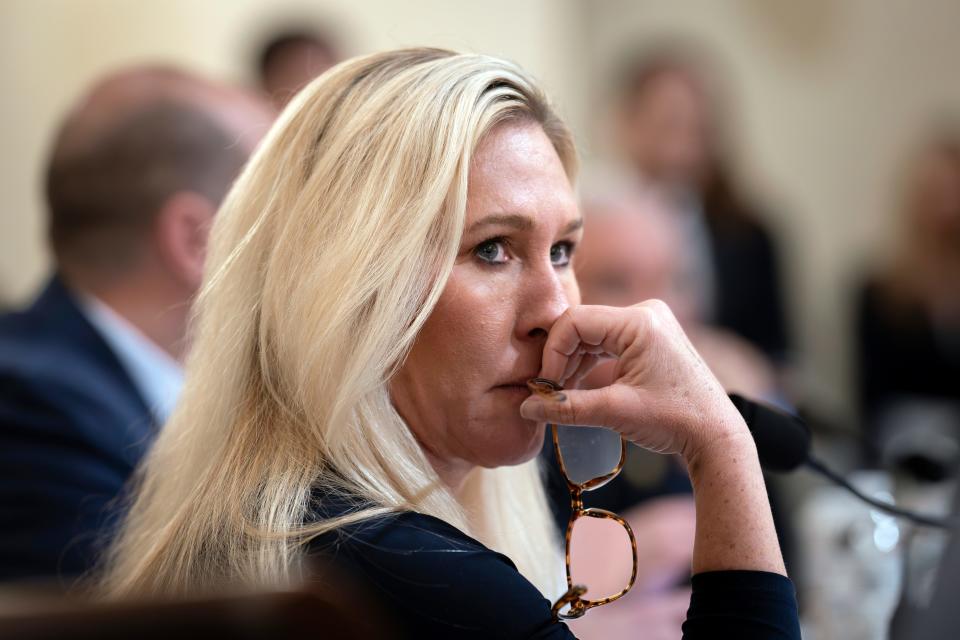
[[937, 195], [461, 387], [667, 129]]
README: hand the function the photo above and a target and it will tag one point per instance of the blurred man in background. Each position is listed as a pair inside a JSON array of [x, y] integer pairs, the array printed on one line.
[[291, 59], [89, 371]]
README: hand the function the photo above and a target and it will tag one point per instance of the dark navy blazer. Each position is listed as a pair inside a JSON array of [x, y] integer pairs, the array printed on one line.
[[72, 428], [434, 581]]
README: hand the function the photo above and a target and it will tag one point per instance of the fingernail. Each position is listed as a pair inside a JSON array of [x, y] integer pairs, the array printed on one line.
[[540, 385], [546, 389], [532, 409]]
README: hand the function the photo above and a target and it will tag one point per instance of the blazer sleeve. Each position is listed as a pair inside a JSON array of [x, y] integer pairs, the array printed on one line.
[[437, 582], [58, 491], [748, 605]]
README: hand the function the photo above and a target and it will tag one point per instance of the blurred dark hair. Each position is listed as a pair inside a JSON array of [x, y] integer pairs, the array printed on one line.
[[942, 142], [946, 142], [638, 70], [723, 201], [104, 194], [275, 45]]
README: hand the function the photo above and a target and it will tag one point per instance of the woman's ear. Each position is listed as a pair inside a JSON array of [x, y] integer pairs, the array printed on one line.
[[181, 230]]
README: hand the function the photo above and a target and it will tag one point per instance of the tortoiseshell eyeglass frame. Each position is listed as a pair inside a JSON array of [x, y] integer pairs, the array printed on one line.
[[579, 605]]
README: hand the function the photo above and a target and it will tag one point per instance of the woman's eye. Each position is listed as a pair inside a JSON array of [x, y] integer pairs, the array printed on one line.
[[561, 253], [492, 251]]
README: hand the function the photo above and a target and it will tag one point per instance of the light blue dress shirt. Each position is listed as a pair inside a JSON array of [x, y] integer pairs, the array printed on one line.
[[156, 375]]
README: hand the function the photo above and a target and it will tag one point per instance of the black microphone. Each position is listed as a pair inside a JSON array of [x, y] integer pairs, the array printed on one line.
[[783, 444], [783, 440]]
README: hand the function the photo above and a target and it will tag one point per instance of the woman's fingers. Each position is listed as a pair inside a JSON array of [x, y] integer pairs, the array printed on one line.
[[592, 330], [579, 329], [587, 363], [573, 363], [618, 407], [660, 394], [580, 407]]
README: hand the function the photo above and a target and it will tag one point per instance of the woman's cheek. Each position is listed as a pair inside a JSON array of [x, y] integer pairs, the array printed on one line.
[[464, 330]]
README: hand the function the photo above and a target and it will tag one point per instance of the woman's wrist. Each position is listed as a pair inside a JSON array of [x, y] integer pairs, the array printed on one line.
[[727, 438], [734, 524]]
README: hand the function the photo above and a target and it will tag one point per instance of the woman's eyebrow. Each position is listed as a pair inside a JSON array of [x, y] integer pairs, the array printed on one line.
[[519, 222], [575, 225]]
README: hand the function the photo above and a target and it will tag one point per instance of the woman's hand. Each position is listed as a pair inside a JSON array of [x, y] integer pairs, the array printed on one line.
[[663, 396]]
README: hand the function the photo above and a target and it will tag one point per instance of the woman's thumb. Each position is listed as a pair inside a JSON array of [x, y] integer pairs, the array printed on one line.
[[586, 407]]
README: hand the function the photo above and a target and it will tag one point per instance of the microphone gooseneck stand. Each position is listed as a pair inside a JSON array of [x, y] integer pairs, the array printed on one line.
[[783, 444], [917, 518]]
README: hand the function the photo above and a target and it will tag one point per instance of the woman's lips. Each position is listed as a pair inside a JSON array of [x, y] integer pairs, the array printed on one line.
[[539, 386], [514, 387], [519, 390]]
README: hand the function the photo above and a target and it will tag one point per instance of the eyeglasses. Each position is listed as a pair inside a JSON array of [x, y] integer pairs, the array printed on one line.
[[600, 545]]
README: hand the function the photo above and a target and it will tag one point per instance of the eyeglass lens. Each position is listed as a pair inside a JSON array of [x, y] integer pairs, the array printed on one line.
[[588, 452], [601, 556]]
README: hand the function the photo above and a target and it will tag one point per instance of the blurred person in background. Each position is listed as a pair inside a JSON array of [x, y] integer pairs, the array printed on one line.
[[653, 492], [668, 131], [290, 59], [87, 372], [908, 323], [612, 271]]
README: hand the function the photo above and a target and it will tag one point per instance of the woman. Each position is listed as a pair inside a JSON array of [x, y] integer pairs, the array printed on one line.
[[388, 272], [908, 316], [671, 131]]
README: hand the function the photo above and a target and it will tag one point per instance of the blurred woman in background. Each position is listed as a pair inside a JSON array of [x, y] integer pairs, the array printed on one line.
[[670, 133], [908, 317]]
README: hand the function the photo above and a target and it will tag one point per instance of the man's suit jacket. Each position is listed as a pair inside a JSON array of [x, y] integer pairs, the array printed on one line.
[[72, 429]]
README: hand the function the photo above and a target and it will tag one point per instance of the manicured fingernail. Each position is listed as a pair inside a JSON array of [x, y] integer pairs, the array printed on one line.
[[546, 389], [532, 409]]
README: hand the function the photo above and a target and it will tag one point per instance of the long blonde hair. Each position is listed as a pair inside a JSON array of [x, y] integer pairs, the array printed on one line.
[[325, 260]]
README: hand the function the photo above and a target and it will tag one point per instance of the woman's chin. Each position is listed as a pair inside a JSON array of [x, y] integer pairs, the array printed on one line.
[[521, 441]]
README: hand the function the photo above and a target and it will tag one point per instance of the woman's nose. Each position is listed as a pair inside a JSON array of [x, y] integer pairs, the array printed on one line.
[[543, 299]]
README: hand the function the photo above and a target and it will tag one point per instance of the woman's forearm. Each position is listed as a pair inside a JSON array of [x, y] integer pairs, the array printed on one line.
[[734, 524]]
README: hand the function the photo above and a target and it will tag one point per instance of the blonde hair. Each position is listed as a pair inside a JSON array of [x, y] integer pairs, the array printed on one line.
[[325, 260]]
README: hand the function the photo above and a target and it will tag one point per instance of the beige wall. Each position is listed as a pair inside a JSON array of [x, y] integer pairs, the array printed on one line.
[[52, 49], [829, 94]]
